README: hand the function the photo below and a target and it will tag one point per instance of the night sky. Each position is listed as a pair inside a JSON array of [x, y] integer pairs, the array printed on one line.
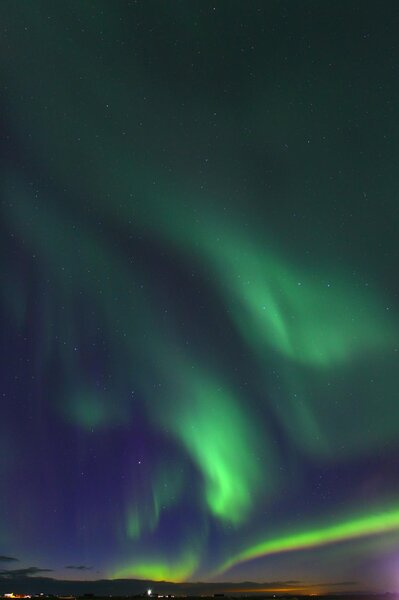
[[199, 291]]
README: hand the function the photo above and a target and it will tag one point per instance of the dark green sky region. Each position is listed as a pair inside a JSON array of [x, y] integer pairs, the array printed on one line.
[[199, 291]]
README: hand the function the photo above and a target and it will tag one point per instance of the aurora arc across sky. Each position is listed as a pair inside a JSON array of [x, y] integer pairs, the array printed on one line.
[[199, 299]]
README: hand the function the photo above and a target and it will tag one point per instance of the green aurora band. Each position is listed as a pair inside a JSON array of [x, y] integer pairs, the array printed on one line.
[[270, 308], [231, 474], [159, 570], [358, 527], [314, 334]]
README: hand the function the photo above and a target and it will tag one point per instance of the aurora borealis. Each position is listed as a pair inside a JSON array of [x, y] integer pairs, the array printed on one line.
[[199, 300]]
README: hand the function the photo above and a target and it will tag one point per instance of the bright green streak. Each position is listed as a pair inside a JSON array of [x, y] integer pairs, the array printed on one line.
[[317, 319], [221, 440], [202, 414], [159, 570], [347, 530], [211, 431], [310, 319]]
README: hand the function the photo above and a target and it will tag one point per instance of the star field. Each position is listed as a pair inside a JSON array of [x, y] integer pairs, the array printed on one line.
[[199, 299]]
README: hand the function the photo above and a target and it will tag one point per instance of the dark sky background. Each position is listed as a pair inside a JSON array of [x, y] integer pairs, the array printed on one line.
[[199, 292]]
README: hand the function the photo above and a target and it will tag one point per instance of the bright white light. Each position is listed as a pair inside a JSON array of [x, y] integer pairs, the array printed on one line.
[[149, 592]]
